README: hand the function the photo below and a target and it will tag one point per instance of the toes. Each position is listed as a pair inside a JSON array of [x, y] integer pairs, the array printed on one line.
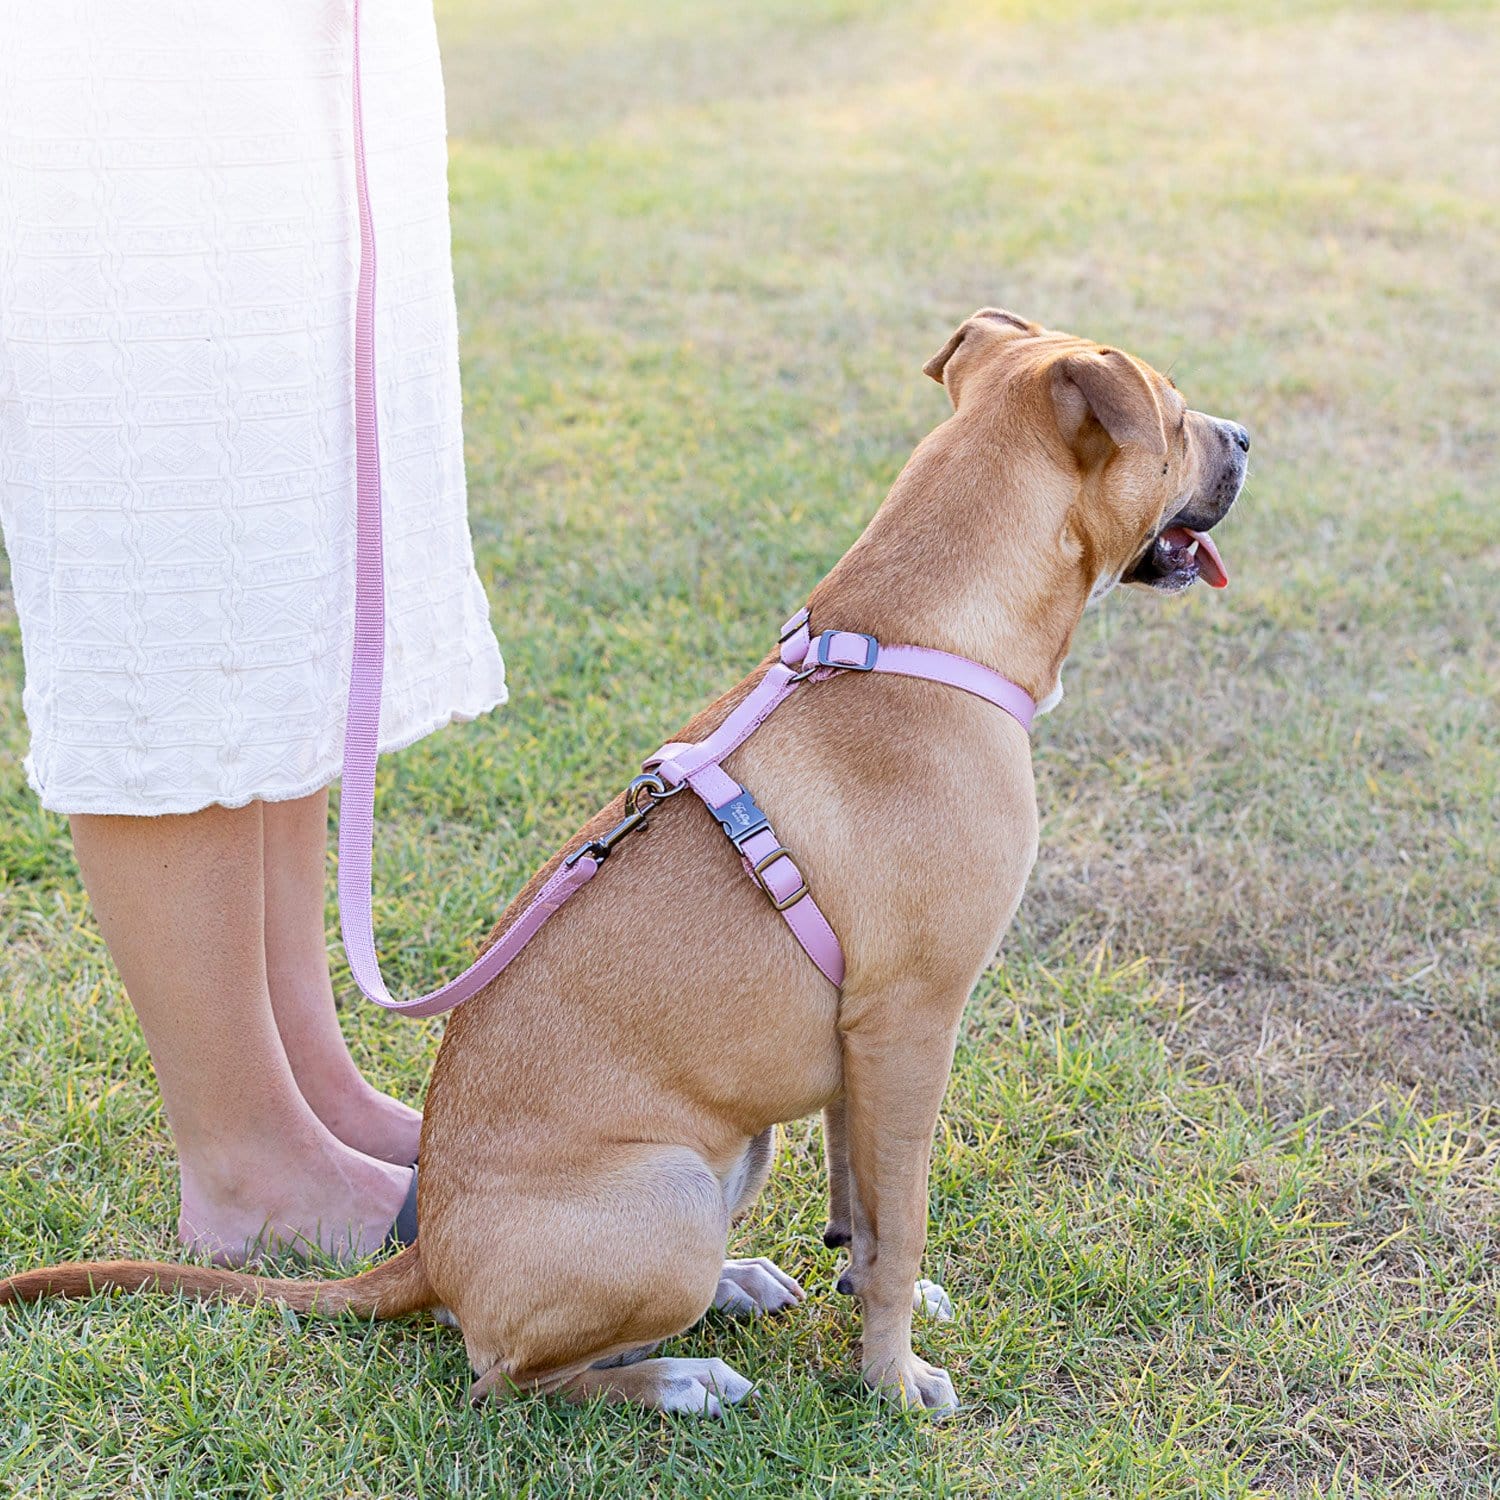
[[929, 1299], [683, 1393], [733, 1299], [758, 1268], [928, 1387], [702, 1387], [791, 1283], [918, 1386], [725, 1382], [750, 1287]]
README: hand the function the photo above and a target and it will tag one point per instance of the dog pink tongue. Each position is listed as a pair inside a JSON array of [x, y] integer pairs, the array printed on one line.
[[1211, 567]]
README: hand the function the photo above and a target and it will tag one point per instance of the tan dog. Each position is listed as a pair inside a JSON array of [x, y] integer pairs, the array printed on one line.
[[603, 1111]]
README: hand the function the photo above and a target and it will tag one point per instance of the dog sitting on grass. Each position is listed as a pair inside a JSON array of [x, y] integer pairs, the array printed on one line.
[[602, 1112]]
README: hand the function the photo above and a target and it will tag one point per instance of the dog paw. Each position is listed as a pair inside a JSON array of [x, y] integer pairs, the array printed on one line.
[[929, 1299], [748, 1288], [917, 1385], [702, 1387]]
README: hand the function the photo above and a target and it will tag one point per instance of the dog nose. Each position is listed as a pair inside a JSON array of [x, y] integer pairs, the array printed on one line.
[[1240, 436]]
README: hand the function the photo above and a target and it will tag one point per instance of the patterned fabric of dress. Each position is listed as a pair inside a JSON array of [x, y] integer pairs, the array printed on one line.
[[178, 260]]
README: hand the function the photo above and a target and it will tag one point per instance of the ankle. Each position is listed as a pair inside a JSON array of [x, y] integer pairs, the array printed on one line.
[[329, 1080], [249, 1166], [237, 1202]]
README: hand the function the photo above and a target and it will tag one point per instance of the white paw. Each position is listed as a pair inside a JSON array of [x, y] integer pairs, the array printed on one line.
[[924, 1387], [929, 1299], [701, 1386], [748, 1288], [446, 1318]]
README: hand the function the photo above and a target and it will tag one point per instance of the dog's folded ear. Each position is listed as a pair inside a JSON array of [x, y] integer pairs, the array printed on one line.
[[1114, 390], [972, 335]]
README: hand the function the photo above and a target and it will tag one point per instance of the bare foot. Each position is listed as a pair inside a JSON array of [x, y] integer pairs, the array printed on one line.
[[362, 1117], [327, 1196]]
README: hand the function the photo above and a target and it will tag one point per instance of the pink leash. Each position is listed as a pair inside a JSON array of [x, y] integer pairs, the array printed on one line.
[[362, 729], [804, 657]]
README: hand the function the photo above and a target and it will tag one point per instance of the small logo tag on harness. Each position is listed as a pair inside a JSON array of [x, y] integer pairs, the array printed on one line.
[[740, 817]]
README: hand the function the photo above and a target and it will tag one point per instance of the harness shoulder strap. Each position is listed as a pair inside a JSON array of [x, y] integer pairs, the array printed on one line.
[[851, 651]]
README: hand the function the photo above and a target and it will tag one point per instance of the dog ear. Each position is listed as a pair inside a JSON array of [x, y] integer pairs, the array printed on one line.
[[941, 366], [939, 361], [1112, 388]]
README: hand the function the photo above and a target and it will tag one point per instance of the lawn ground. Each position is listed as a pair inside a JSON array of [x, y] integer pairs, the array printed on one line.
[[1217, 1189]]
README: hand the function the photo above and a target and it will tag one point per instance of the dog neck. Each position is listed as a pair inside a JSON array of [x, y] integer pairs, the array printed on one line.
[[970, 553]]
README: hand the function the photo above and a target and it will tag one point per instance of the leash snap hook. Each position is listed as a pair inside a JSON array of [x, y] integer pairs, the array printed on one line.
[[650, 786], [601, 848]]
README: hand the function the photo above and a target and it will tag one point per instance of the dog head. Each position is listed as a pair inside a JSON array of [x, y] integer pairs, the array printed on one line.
[[1152, 477]]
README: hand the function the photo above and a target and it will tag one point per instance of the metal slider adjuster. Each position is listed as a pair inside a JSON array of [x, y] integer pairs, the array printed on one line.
[[758, 870], [823, 642]]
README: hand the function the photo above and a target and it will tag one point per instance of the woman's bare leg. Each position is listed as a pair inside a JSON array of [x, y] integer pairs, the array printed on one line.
[[180, 901], [295, 842]]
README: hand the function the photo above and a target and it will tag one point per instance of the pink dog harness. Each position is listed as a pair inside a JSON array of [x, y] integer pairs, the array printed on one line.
[[805, 657]]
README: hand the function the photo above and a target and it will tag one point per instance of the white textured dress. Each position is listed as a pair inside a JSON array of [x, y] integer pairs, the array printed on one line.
[[178, 259]]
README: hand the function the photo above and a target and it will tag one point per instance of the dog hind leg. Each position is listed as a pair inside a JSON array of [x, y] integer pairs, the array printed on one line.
[[749, 1179], [621, 1259], [703, 1386]]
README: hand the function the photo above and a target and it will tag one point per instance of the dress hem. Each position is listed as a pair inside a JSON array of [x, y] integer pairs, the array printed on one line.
[[111, 806]]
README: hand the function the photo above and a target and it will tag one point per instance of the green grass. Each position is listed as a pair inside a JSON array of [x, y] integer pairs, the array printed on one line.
[[1216, 1192]]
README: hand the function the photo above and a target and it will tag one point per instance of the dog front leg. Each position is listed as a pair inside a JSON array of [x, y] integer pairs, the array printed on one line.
[[927, 1297], [840, 1228], [896, 1063]]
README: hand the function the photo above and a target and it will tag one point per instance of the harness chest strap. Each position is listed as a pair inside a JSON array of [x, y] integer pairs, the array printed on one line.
[[673, 768]]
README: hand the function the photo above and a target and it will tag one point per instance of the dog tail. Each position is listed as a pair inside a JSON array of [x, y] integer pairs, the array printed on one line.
[[390, 1290]]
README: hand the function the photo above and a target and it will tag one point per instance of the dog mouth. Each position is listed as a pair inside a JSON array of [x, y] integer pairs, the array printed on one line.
[[1176, 558]]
